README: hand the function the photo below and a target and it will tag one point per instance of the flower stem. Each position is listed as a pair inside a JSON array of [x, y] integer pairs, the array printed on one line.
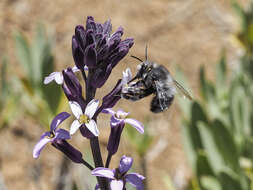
[[108, 160], [87, 164], [94, 144]]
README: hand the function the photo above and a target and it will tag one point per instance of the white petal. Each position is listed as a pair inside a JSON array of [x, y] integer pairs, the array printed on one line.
[[92, 126], [50, 78], [74, 127], [75, 69], [127, 75], [116, 185], [58, 78], [91, 108], [86, 68], [76, 109]]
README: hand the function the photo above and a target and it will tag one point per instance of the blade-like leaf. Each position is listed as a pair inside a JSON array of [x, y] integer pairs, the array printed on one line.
[[219, 146], [24, 55], [210, 183]]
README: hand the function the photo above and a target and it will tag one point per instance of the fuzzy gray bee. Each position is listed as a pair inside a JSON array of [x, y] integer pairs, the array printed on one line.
[[152, 78]]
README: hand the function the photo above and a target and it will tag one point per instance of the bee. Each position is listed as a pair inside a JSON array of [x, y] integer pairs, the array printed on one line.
[[153, 78]]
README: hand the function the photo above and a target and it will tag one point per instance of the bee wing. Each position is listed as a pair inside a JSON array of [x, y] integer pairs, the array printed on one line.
[[182, 90]]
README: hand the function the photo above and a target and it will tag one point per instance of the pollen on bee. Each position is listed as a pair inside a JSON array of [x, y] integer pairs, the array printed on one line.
[[84, 119]]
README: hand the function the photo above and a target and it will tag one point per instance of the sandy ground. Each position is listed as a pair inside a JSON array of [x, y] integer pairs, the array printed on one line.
[[188, 33]]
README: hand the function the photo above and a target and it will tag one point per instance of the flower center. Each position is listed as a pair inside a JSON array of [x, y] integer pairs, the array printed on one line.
[[118, 175], [51, 135], [120, 116], [84, 119]]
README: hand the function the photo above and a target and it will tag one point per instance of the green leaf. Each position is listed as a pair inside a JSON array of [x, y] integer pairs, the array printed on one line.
[[239, 10], [24, 55], [191, 138], [229, 182], [219, 146], [239, 110], [52, 93], [168, 182], [203, 165], [192, 143], [4, 82], [141, 143], [210, 183], [207, 89], [38, 53], [221, 72]]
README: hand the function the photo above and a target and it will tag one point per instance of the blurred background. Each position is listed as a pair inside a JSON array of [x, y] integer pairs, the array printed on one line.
[[206, 44]]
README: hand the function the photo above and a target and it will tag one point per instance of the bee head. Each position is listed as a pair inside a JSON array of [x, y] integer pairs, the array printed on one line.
[[145, 66]]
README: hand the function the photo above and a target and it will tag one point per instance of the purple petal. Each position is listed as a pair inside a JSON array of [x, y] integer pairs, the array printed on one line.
[[117, 185], [112, 97], [89, 23], [120, 55], [108, 111], [136, 124], [58, 120], [99, 27], [121, 114], [119, 31], [71, 86], [97, 187], [135, 180], [90, 56], [99, 79], [107, 26], [62, 134], [80, 36], [103, 172], [114, 138], [77, 53], [125, 164], [115, 121], [41, 143], [71, 152], [90, 39]]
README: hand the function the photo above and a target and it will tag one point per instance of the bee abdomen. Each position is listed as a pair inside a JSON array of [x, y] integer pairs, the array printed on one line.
[[158, 105]]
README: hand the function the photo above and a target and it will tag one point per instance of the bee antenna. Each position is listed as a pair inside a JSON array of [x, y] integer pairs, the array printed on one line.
[[146, 52], [136, 58]]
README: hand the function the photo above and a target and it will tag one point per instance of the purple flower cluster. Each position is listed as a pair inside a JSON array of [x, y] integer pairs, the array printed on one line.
[[96, 51]]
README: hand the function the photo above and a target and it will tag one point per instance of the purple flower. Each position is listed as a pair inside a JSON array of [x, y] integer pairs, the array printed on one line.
[[72, 88], [118, 177], [84, 118], [53, 135], [118, 121], [58, 77], [112, 97], [98, 49]]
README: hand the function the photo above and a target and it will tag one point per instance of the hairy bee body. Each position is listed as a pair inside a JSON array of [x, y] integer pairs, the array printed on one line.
[[154, 79]]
